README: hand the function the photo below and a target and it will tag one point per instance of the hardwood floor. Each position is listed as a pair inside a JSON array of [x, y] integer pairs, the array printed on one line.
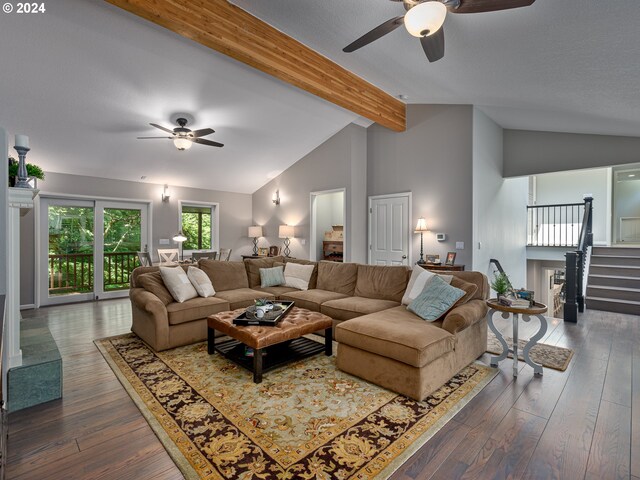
[[582, 423]]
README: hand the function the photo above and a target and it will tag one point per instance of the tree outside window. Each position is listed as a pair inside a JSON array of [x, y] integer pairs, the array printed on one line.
[[196, 226]]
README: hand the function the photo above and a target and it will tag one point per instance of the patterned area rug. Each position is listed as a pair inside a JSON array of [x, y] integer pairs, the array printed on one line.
[[549, 356], [306, 420]]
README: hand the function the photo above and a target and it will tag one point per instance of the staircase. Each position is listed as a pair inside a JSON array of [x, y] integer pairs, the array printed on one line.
[[614, 280]]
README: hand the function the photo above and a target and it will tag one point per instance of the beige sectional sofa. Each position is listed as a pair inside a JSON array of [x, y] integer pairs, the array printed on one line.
[[378, 338]]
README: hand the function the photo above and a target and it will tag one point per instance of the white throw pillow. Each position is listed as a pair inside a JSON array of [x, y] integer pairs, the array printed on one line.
[[201, 282], [420, 278], [297, 276], [178, 284]]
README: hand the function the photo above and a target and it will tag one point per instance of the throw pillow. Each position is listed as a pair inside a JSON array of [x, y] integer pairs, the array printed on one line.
[[418, 281], [200, 282], [297, 275], [152, 282], [435, 300], [177, 282], [469, 289], [271, 277]]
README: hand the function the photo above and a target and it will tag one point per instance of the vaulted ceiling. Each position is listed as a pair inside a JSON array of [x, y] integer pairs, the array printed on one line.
[[86, 78]]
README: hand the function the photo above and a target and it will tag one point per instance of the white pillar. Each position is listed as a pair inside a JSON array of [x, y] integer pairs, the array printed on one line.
[[20, 200]]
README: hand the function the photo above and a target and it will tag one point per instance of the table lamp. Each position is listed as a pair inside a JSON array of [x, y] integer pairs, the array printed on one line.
[[286, 232], [255, 231], [421, 227]]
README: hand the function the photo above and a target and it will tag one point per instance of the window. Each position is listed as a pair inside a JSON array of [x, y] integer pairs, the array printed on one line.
[[198, 225]]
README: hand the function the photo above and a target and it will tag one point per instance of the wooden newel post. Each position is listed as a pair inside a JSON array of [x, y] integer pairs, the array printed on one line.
[[571, 284]]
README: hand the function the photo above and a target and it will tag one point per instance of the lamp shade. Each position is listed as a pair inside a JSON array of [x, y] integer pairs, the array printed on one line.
[[255, 231], [421, 225], [286, 231], [182, 143], [425, 18], [179, 237]]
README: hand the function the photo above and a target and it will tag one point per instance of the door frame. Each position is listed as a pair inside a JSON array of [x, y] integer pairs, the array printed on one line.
[[409, 195], [313, 245], [215, 221], [37, 211]]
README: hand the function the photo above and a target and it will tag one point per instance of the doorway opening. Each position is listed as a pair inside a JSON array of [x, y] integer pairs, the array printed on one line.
[[626, 205], [328, 225]]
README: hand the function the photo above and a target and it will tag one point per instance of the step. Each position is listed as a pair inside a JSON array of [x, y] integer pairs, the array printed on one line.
[[631, 260], [614, 293], [617, 251], [617, 306], [618, 270], [613, 281]]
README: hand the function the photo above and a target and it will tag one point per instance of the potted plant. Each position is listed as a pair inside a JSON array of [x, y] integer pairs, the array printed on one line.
[[32, 171], [262, 306], [501, 284]]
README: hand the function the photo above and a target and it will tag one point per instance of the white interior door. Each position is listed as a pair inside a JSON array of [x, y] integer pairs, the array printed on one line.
[[389, 229]]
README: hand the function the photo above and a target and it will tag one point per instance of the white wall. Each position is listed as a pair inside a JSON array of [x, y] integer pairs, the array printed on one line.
[[570, 187], [340, 162], [499, 206]]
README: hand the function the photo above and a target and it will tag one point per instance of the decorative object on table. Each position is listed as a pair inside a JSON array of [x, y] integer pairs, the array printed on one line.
[[180, 238], [451, 259], [501, 284], [197, 379], [277, 311], [537, 310], [287, 232], [263, 252], [262, 306], [421, 227], [526, 295], [34, 173], [255, 231], [22, 175], [336, 234], [435, 259], [274, 251], [549, 356]]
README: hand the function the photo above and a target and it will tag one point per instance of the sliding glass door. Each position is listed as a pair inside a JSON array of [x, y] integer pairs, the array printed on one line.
[[90, 248]]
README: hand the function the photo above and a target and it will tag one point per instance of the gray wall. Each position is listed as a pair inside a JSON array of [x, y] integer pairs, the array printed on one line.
[[530, 153], [431, 159], [499, 206], [340, 162], [235, 214]]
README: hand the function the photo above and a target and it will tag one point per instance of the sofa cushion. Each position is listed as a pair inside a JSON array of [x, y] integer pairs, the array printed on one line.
[[297, 275], [436, 299], [271, 277], [178, 283], [337, 277], [225, 275], [253, 266], [152, 282], [418, 281], [313, 281], [201, 282], [383, 282], [352, 307], [276, 291], [311, 299], [242, 297], [398, 334], [195, 309]]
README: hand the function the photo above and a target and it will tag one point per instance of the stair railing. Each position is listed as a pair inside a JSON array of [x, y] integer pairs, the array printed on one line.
[[575, 266]]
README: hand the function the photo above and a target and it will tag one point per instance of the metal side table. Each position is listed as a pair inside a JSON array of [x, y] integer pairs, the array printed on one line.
[[537, 310]]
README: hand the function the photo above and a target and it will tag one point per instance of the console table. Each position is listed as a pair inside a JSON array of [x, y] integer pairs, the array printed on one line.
[[440, 266], [537, 310]]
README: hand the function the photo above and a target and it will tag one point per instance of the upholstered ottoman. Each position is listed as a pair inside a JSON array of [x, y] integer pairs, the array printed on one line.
[[272, 346]]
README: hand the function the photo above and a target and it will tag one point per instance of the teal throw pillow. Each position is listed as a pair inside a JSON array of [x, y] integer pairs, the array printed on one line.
[[272, 277], [435, 300]]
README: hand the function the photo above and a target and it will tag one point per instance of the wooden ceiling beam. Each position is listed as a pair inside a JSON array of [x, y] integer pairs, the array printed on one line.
[[228, 29]]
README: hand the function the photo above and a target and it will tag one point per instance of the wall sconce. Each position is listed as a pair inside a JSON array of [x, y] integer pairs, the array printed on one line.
[[286, 232], [276, 197], [166, 194]]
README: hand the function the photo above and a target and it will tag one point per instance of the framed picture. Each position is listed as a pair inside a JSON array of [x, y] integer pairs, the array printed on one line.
[[274, 251], [263, 251], [433, 259], [451, 259]]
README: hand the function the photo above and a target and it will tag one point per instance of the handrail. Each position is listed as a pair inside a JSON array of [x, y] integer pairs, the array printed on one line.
[[554, 225], [575, 266]]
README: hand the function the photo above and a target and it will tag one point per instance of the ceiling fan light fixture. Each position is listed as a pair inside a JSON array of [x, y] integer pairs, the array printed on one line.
[[182, 143], [425, 18]]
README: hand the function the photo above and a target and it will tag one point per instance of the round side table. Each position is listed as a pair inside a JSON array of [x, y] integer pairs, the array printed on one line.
[[537, 310]]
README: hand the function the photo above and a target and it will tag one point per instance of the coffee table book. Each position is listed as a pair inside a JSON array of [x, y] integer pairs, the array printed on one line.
[[246, 318]]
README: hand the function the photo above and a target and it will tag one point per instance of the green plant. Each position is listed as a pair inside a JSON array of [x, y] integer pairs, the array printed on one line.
[[32, 170], [501, 283], [261, 302]]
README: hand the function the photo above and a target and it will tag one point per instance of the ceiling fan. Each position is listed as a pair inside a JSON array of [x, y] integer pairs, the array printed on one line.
[[424, 20], [184, 137]]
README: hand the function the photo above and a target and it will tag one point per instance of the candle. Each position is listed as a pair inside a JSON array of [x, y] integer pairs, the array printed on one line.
[[22, 141]]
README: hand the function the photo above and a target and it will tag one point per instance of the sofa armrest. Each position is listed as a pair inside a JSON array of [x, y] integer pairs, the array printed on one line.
[[147, 301], [465, 315], [150, 320]]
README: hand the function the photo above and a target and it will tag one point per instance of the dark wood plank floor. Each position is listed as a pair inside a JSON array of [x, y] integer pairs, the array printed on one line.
[[582, 423]]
